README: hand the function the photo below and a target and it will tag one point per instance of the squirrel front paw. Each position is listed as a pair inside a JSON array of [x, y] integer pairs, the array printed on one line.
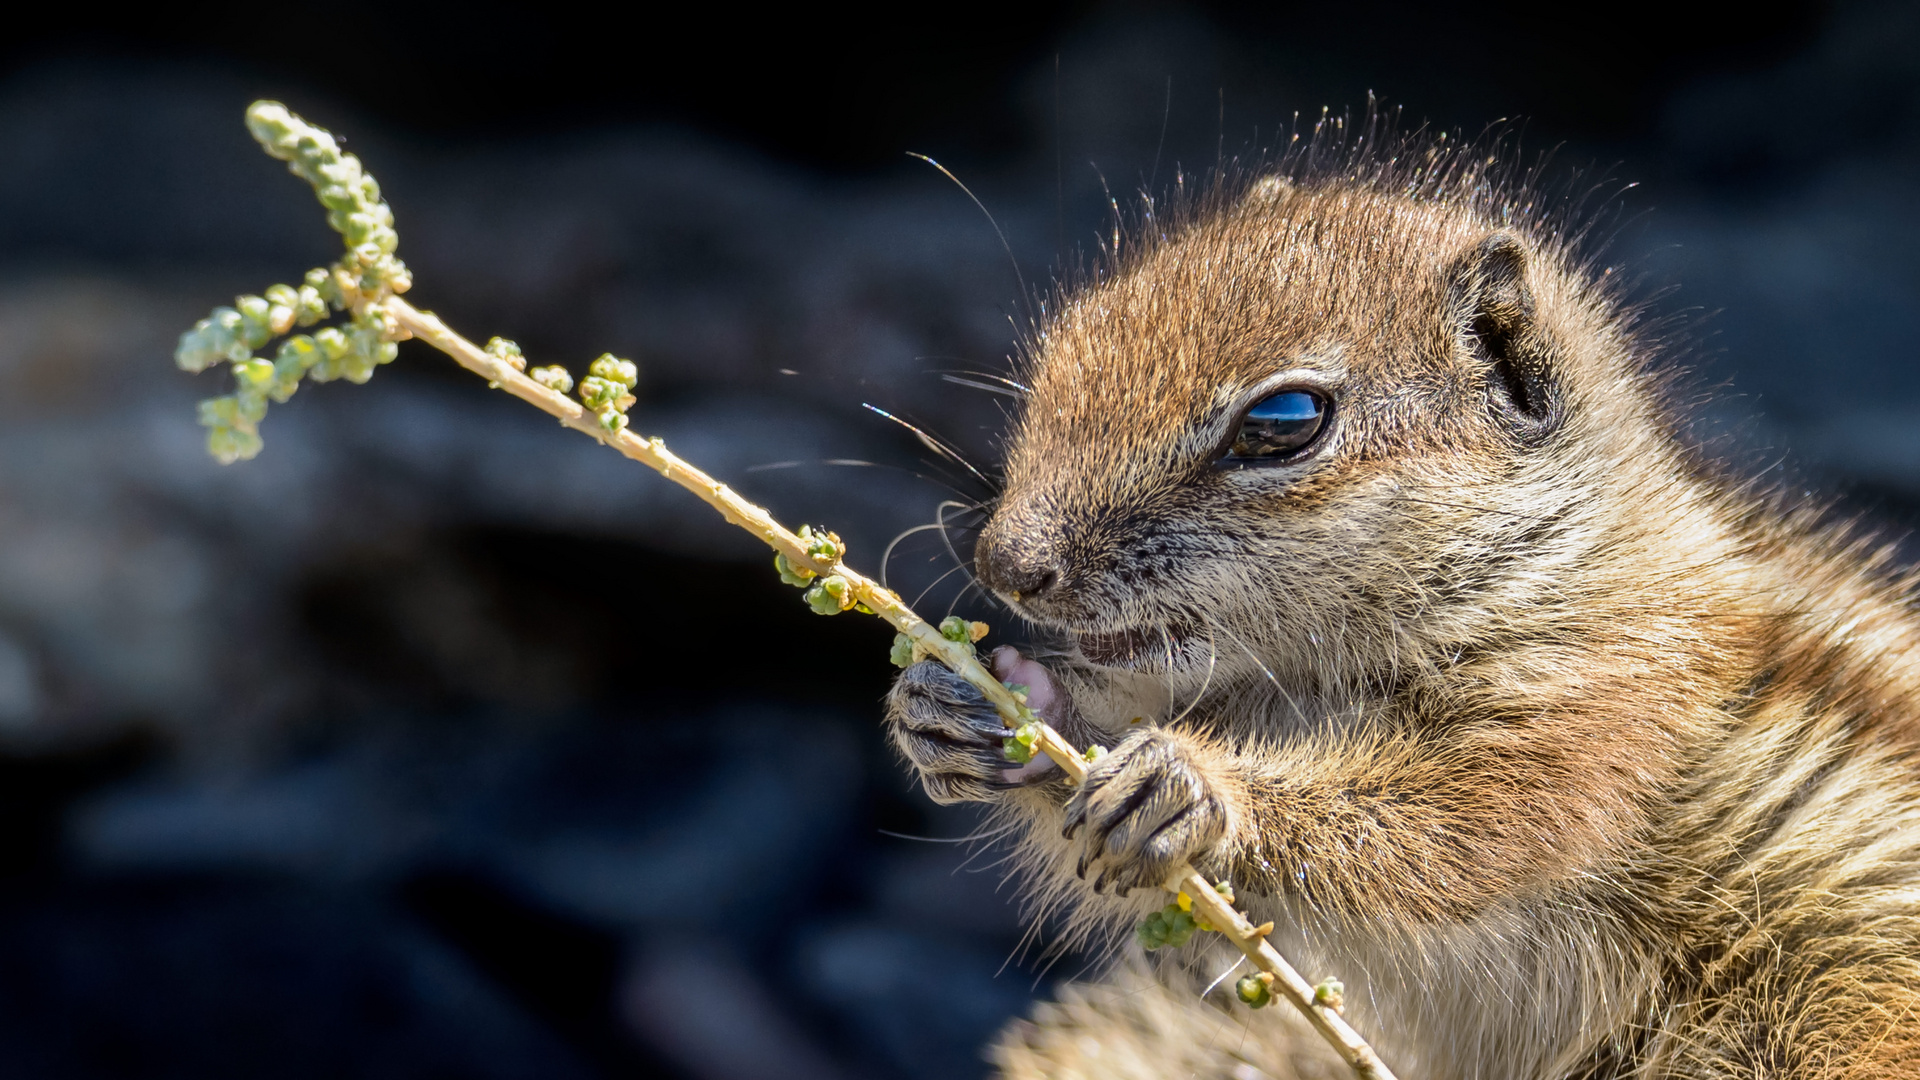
[[948, 732], [1145, 808]]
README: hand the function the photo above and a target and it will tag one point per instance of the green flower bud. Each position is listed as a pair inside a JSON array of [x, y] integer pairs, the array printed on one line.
[[840, 588], [1332, 993], [1016, 751], [192, 354], [599, 393], [272, 126], [300, 351], [820, 601], [254, 373], [1167, 927], [1152, 932], [554, 378], [251, 404], [355, 365], [213, 339], [902, 654], [954, 628], [326, 286], [1180, 927], [1252, 989], [309, 306], [256, 315], [219, 412], [614, 369], [204, 345], [791, 574], [228, 445], [821, 544], [327, 165], [613, 421], [227, 325], [1094, 753], [359, 227], [501, 349], [830, 595], [297, 354], [333, 344]]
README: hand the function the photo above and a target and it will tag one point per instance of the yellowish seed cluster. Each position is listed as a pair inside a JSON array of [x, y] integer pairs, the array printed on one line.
[[368, 272]]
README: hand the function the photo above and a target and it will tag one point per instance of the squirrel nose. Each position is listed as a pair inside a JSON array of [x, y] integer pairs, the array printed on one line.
[[1013, 565]]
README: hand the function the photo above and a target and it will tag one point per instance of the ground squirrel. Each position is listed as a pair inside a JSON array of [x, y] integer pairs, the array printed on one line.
[[1368, 543]]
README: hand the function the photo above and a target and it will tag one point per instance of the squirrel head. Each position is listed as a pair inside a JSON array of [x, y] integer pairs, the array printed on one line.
[[1318, 429]]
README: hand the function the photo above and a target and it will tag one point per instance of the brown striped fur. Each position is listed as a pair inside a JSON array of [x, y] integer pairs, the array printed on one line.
[[1570, 755]]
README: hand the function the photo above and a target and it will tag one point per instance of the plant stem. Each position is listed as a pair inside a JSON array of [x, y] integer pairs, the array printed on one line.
[[654, 454], [884, 602]]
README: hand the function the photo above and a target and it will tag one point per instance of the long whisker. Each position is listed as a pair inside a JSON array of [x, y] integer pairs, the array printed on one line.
[[1264, 669], [1213, 661], [1293, 703], [886, 556], [1113, 204], [844, 462], [1004, 246], [769, 466], [935, 585], [1012, 389], [1010, 384], [974, 586], [1027, 937], [933, 443], [940, 518], [937, 839], [1237, 961]]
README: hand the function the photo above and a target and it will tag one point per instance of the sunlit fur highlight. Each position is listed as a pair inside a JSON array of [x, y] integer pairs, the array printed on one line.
[[1573, 756]]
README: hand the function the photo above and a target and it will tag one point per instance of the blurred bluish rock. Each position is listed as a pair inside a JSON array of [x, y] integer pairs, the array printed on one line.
[[718, 1015], [235, 980], [621, 826], [925, 1002]]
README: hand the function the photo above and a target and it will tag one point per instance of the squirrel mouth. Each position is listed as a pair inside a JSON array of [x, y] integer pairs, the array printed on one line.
[[1133, 647]]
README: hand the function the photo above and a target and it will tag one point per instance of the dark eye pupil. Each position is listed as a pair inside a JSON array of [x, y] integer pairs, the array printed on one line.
[[1280, 425]]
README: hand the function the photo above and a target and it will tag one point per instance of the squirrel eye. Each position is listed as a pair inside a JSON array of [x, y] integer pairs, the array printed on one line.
[[1280, 426]]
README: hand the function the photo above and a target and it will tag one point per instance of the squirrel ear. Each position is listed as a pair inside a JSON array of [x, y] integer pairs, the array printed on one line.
[[1493, 306]]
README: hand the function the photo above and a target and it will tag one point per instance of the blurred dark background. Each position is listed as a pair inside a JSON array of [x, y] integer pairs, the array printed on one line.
[[398, 751]]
